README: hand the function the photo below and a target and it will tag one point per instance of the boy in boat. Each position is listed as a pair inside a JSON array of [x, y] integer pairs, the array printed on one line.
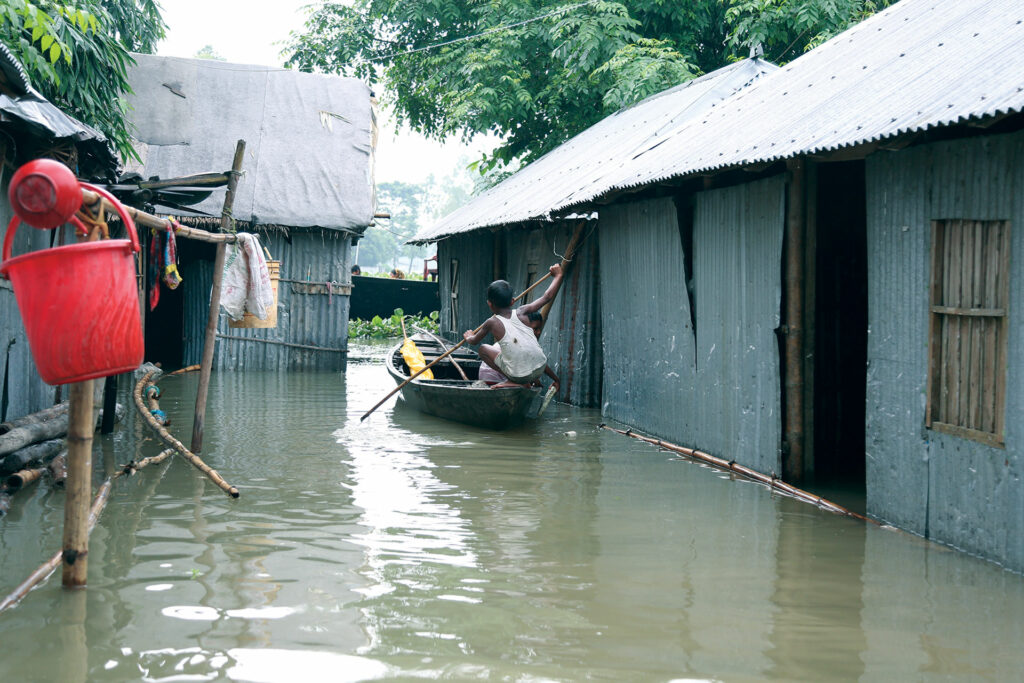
[[498, 380], [516, 352]]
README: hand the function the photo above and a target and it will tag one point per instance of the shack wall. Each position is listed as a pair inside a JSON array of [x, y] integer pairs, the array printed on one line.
[[308, 314], [716, 388], [26, 391], [950, 489], [467, 262], [572, 334]]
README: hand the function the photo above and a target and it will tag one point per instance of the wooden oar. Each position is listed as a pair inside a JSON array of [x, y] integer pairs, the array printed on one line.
[[444, 347], [445, 354]]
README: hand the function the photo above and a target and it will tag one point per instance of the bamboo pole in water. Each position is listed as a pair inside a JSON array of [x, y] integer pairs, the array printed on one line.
[[168, 439], [79, 485], [23, 478], [771, 481], [135, 465], [199, 421]]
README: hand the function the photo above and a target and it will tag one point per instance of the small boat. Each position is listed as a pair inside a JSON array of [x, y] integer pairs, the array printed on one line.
[[453, 398]]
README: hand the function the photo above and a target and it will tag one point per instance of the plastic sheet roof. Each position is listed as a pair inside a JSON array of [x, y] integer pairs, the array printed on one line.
[[577, 169], [309, 138], [919, 64]]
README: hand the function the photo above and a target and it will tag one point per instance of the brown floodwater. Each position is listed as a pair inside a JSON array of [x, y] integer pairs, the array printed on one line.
[[405, 547]]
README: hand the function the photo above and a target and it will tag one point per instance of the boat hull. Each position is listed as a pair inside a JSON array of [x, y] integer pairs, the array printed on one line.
[[458, 400]]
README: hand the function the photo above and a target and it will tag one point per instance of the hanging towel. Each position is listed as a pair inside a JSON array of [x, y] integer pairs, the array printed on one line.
[[246, 282]]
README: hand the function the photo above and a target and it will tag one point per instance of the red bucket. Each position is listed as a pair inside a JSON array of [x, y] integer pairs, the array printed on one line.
[[79, 304]]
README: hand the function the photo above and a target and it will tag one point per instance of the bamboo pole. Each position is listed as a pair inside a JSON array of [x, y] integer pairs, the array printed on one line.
[[793, 459], [23, 478], [39, 575], [568, 259], [168, 439], [148, 220], [444, 355], [135, 465], [444, 347], [206, 366], [109, 405], [79, 485], [731, 466]]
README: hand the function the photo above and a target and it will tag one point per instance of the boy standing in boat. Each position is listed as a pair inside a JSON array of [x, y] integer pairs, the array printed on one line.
[[516, 352]]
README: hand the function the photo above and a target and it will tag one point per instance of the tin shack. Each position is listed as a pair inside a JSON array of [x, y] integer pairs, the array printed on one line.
[[307, 191], [818, 277]]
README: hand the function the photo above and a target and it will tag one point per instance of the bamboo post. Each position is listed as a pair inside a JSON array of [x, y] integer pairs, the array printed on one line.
[[445, 354], [206, 367], [79, 485], [793, 460]]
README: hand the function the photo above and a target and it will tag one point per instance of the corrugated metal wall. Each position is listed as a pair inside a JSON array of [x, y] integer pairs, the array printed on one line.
[[947, 488], [27, 393], [738, 291], [304, 318], [717, 389], [474, 253], [572, 335]]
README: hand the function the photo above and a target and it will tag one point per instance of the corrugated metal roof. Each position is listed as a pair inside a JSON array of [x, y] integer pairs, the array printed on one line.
[[583, 163], [309, 151], [919, 64]]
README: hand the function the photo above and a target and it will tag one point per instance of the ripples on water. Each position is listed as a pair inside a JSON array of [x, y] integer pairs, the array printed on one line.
[[407, 547]]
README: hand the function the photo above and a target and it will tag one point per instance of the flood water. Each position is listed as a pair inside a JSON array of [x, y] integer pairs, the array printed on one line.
[[405, 548]]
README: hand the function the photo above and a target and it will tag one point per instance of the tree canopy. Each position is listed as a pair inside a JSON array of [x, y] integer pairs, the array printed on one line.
[[536, 72], [76, 54]]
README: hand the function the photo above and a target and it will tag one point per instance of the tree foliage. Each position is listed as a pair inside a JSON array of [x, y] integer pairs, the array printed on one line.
[[77, 54], [536, 72]]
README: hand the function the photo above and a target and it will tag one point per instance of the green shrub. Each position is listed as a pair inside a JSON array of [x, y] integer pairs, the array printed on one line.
[[383, 328]]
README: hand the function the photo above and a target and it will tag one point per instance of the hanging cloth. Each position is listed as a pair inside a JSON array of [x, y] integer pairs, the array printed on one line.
[[246, 282]]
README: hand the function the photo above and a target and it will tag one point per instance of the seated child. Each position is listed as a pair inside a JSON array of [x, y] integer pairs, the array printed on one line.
[[516, 353], [493, 377]]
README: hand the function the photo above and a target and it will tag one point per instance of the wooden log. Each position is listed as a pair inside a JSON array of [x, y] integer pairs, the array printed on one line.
[[46, 568], [135, 465], [199, 419], [79, 485], [168, 439], [23, 478], [23, 457], [35, 418], [58, 468], [34, 432]]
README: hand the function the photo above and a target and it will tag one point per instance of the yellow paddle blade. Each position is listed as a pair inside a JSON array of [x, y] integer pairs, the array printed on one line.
[[415, 360]]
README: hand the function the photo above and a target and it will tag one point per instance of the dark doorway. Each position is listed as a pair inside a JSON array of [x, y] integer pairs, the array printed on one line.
[[165, 324], [841, 323]]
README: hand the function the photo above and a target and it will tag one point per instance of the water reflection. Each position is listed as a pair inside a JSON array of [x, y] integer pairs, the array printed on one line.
[[406, 547]]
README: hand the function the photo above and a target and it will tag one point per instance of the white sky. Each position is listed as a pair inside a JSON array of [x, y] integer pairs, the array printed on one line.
[[244, 31]]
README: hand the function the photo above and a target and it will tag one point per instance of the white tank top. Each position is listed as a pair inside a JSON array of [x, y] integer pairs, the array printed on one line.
[[521, 355]]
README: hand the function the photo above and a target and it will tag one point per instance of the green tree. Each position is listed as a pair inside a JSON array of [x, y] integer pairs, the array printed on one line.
[[536, 72], [207, 52], [77, 54]]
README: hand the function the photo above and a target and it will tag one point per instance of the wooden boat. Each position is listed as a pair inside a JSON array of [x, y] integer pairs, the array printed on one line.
[[453, 398]]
